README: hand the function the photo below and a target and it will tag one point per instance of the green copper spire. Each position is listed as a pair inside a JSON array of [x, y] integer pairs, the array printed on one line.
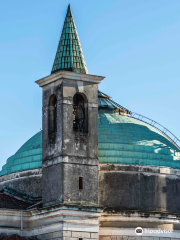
[[69, 56]]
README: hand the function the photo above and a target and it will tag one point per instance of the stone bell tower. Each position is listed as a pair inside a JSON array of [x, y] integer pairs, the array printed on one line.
[[70, 125]]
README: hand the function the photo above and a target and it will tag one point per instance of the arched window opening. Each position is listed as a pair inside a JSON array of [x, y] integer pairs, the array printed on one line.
[[52, 114], [79, 114]]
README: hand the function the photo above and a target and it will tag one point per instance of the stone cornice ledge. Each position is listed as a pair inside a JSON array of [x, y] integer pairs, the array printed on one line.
[[71, 76], [79, 209]]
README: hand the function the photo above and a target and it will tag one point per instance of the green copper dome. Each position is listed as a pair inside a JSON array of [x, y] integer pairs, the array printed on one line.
[[122, 140], [29, 156], [125, 140]]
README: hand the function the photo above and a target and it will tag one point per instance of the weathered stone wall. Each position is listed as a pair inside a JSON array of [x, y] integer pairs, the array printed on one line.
[[68, 155], [120, 187], [140, 188]]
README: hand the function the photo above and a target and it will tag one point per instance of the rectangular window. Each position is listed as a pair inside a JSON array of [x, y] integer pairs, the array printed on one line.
[[80, 239], [81, 184]]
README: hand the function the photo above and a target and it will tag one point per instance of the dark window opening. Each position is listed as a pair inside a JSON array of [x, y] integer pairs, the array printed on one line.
[[52, 114], [80, 183], [80, 238], [79, 114]]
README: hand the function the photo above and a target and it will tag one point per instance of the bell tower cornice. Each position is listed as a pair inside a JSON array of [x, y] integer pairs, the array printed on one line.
[[71, 76]]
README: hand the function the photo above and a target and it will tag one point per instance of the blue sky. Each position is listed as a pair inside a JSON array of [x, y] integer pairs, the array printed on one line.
[[135, 44]]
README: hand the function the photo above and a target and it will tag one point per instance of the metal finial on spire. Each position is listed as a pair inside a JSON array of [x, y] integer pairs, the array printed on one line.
[[69, 56]]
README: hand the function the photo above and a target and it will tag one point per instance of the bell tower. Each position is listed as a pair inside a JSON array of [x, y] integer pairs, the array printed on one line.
[[70, 125]]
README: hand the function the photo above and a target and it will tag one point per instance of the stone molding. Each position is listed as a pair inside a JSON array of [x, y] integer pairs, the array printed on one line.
[[16, 175], [50, 220], [71, 76], [140, 168], [71, 160], [124, 224]]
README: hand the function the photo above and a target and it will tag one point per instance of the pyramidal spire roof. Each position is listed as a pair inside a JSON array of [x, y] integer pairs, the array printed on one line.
[[69, 56]]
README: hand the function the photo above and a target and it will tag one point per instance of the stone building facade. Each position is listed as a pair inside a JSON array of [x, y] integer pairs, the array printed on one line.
[[94, 171]]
